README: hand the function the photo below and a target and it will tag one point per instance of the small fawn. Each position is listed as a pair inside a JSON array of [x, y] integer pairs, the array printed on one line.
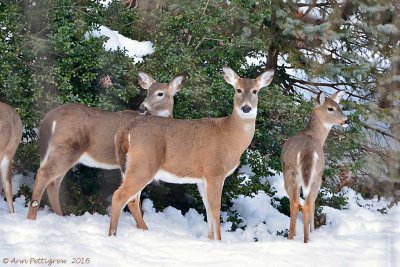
[[75, 133], [11, 134], [203, 151], [303, 159]]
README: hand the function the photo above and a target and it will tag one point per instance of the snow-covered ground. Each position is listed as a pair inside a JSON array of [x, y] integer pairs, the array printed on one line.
[[357, 236]]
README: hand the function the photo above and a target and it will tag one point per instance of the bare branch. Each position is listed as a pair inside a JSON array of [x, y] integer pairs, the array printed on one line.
[[380, 131], [333, 85]]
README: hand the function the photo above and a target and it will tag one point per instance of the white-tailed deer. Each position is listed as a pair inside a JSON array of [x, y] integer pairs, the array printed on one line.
[[303, 159], [10, 136], [75, 133], [203, 151]]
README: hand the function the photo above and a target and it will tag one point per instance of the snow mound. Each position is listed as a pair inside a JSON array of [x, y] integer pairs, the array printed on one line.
[[358, 236], [134, 49]]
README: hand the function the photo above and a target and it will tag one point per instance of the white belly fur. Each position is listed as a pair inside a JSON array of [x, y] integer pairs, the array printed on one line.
[[168, 177], [87, 160]]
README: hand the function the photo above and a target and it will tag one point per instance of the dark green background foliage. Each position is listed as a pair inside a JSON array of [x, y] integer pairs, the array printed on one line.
[[46, 60]]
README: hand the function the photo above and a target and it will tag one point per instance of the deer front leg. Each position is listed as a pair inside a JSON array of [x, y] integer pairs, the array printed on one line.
[[214, 193], [202, 190]]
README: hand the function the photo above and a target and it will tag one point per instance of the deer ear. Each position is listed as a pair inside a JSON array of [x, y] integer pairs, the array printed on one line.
[[320, 100], [230, 76], [265, 78], [337, 96], [145, 80], [177, 83]]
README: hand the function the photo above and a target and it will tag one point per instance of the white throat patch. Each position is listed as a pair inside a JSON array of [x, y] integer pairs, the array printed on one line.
[[328, 125], [251, 115], [163, 113]]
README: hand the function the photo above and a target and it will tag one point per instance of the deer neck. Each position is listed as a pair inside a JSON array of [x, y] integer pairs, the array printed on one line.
[[240, 130], [317, 129]]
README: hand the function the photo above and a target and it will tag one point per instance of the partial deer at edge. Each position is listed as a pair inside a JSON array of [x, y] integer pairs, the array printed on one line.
[[75, 133], [303, 159], [203, 151], [11, 134]]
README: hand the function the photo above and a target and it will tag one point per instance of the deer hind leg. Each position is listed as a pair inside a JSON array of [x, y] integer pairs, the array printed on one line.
[[294, 200], [312, 197], [54, 167], [202, 189], [134, 208], [308, 212], [214, 193], [135, 179], [6, 175], [53, 193], [293, 192], [306, 220], [312, 216]]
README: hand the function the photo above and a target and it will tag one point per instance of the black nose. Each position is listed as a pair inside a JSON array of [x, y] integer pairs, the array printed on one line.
[[346, 122], [246, 109], [142, 109]]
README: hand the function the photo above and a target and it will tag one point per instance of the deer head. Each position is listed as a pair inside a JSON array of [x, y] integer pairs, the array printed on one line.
[[246, 91], [160, 96], [328, 111]]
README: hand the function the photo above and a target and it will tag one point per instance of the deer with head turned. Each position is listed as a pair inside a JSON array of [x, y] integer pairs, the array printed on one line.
[[75, 133], [11, 134], [303, 160], [203, 151], [105, 81]]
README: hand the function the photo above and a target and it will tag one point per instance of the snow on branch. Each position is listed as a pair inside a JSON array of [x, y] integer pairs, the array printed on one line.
[[134, 49]]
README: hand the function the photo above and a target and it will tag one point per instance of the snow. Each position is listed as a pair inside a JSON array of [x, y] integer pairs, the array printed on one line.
[[105, 2], [19, 179], [134, 49], [356, 236]]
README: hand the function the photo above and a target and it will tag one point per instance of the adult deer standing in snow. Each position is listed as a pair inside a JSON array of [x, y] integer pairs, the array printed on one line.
[[203, 151], [303, 159], [10, 136], [75, 133]]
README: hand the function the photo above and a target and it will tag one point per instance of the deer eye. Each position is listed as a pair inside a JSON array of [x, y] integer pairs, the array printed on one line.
[[239, 91], [160, 94], [330, 109], [255, 92]]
